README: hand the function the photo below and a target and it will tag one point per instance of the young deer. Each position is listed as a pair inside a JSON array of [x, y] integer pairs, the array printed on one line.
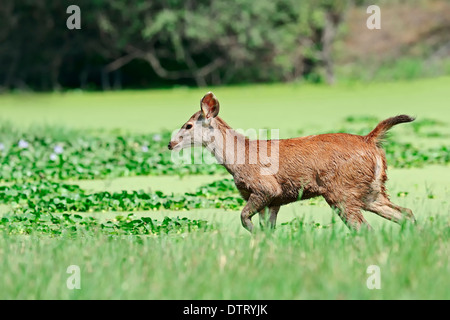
[[348, 170]]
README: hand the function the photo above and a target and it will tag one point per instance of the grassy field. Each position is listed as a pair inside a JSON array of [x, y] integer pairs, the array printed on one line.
[[86, 180], [290, 107]]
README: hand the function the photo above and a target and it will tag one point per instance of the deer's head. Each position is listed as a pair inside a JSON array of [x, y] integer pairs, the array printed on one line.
[[198, 130]]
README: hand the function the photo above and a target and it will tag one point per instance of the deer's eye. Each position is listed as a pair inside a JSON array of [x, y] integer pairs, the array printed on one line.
[[188, 126]]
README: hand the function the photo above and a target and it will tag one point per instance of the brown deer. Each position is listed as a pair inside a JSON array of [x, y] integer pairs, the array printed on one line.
[[348, 170]]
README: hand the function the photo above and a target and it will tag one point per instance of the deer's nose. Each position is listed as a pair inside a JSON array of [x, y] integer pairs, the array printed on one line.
[[171, 145]]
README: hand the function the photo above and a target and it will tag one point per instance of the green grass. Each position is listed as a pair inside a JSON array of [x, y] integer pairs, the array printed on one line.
[[398, 69], [290, 107], [297, 263], [180, 237]]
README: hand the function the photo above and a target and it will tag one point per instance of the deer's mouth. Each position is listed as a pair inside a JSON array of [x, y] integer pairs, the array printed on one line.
[[174, 146]]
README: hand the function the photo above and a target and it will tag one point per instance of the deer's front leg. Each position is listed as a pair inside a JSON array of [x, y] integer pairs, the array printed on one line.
[[270, 221], [254, 204]]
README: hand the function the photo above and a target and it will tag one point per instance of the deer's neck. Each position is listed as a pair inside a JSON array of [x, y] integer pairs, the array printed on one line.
[[227, 145]]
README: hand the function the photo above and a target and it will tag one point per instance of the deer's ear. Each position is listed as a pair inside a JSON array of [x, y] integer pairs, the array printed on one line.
[[209, 106]]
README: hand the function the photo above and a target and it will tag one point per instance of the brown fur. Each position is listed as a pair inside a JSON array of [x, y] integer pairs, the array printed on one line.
[[348, 170]]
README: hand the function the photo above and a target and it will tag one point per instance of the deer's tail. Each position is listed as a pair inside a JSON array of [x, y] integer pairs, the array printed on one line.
[[379, 133]]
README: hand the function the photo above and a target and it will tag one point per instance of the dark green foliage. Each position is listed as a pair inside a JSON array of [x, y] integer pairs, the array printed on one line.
[[87, 155], [159, 42], [49, 208], [53, 197], [73, 224]]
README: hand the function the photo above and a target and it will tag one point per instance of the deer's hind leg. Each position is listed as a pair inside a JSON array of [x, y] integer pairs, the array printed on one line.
[[377, 200], [383, 207], [350, 214], [348, 207]]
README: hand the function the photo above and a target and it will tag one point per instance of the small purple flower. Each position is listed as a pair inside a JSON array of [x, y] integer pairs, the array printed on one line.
[[144, 148], [53, 157], [23, 144], [58, 149], [2, 146], [157, 137]]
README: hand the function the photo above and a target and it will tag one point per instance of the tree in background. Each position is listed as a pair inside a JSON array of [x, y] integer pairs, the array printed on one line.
[[177, 41]]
